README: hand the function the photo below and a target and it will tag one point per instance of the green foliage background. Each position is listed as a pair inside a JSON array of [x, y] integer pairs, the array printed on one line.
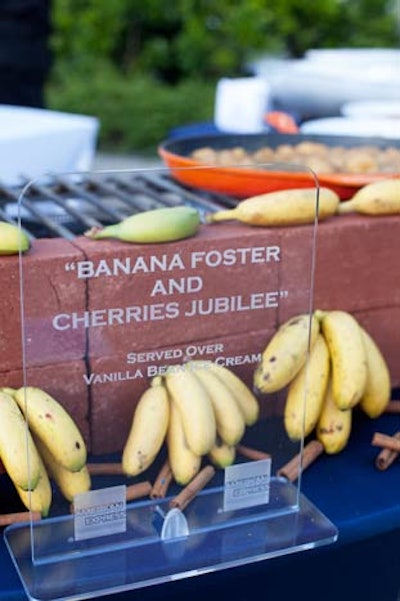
[[146, 66]]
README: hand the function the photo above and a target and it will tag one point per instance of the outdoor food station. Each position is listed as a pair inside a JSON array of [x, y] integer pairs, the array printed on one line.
[[199, 373]]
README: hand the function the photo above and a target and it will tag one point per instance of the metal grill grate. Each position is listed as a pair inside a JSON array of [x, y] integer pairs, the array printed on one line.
[[66, 206]]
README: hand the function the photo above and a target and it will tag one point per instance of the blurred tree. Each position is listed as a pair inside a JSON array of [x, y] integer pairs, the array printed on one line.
[[210, 38], [146, 66]]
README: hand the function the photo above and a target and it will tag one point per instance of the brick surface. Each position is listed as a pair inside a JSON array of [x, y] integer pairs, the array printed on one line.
[[216, 299], [298, 251], [48, 289], [356, 270], [357, 265], [10, 316]]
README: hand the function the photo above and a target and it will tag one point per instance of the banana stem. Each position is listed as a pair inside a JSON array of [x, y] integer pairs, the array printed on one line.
[[221, 215], [98, 233], [319, 314], [346, 207]]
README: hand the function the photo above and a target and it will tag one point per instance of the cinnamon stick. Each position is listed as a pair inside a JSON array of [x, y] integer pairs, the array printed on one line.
[[301, 461], [386, 457], [21, 516], [188, 493], [393, 407], [250, 453], [162, 482], [139, 490], [386, 442], [105, 469]]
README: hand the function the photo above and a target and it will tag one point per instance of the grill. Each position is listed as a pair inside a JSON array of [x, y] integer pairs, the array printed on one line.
[[68, 205]]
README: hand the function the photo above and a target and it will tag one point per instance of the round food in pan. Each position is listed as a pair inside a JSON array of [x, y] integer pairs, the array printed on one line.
[[244, 165]]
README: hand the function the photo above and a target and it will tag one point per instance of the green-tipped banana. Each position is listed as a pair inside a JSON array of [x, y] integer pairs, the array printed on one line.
[[51, 424], [222, 454], [41, 497], [377, 389], [69, 483], [18, 452], [343, 336], [306, 393], [286, 353], [158, 225], [12, 239]]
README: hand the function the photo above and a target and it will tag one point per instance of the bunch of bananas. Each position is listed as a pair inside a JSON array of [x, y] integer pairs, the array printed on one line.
[[52, 448], [199, 409], [345, 369]]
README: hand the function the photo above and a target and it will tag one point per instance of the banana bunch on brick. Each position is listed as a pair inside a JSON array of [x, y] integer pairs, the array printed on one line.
[[345, 369], [199, 409], [40, 442]]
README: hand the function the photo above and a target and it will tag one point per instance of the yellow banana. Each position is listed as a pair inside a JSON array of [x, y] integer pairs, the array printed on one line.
[[247, 401], [377, 390], [228, 416], [40, 498], [378, 198], [148, 430], [334, 425], [156, 225], [348, 358], [53, 425], [195, 407], [286, 353], [18, 452], [12, 239], [184, 463], [284, 207], [222, 454], [69, 483], [8, 390], [307, 391]]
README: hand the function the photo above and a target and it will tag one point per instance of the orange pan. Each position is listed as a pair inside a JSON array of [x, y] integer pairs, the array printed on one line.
[[242, 182]]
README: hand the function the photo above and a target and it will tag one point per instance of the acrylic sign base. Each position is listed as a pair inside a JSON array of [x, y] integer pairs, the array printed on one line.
[[67, 569]]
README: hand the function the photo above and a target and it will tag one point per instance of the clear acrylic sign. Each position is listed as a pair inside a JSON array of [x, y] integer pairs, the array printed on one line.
[[108, 322]]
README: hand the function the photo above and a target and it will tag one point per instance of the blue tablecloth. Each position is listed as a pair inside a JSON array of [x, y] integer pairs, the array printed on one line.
[[363, 502]]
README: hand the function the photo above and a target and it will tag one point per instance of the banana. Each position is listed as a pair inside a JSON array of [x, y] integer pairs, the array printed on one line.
[[286, 353], [156, 225], [284, 207], [348, 358], [247, 401], [18, 452], [378, 198], [148, 430], [306, 392], [41, 497], [184, 463], [53, 425], [222, 454], [195, 407], [12, 239], [69, 483], [334, 425], [377, 391], [8, 390], [228, 416]]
